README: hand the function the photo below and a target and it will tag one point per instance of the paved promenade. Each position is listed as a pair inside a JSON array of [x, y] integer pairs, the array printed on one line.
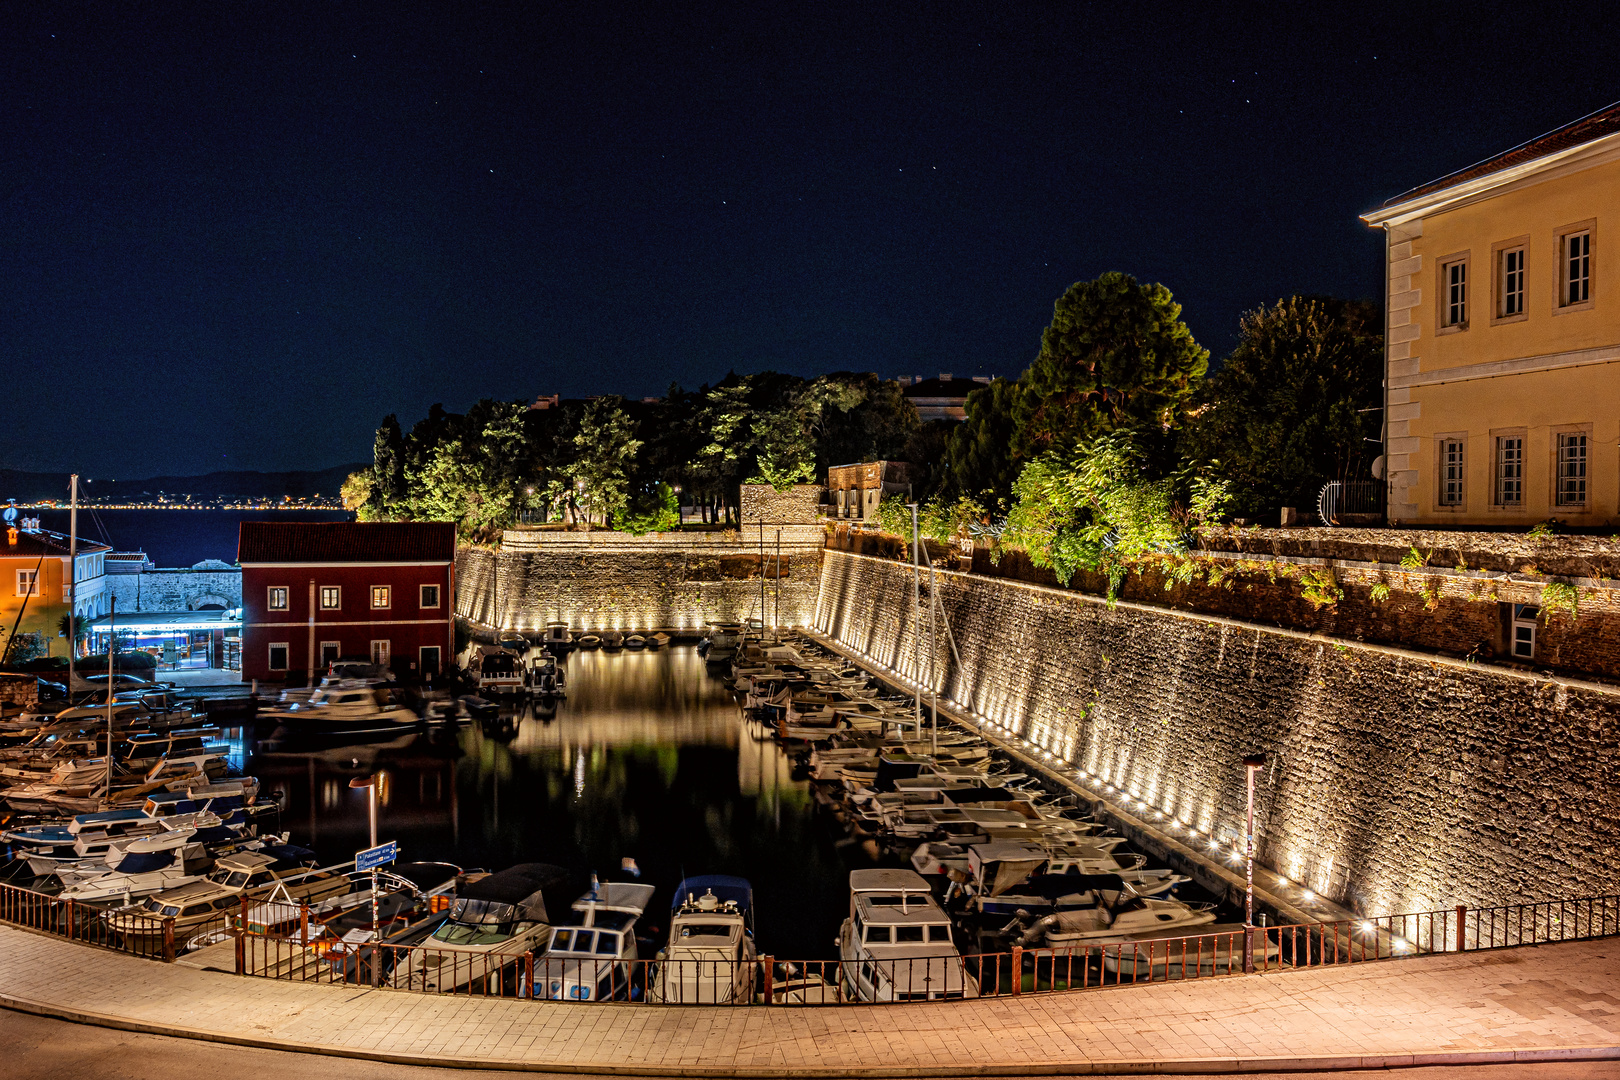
[[1555, 1002]]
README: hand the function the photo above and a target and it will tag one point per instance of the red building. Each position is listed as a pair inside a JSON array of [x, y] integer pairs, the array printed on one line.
[[316, 592]]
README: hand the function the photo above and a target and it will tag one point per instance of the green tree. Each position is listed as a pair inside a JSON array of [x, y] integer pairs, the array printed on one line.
[[387, 490], [1116, 357], [654, 509], [982, 462], [607, 447], [1100, 505], [356, 490], [1294, 406]]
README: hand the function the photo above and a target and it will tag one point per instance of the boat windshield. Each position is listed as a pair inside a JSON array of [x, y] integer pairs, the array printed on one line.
[[455, 933], [158, 907], [482, 912], [231, 879], [721, 931], [144, 862]]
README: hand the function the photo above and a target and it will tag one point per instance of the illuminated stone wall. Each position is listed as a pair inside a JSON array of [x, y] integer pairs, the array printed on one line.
[[615, 581], [1396, 783], [176, 589]]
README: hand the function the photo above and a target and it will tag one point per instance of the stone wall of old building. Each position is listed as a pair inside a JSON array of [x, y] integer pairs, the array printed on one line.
[[184, 589], [616, 581], [1396, 782]]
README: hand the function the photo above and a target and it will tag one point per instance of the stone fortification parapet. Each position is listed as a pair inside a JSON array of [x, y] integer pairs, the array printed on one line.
[[1558, 555]]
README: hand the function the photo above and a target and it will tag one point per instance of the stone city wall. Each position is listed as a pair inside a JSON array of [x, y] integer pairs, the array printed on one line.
[[175, 590], [1397, 782], [616, 581]]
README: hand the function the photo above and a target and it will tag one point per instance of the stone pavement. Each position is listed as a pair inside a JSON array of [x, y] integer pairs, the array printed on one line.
[[1553, 1002]]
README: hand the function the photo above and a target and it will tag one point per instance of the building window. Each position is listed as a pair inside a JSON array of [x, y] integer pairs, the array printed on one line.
[[380, 595], [379, 653], [27, 582], [1523, 643], [1454, 294], [1451, 472], [1512, 284], [277, 598], [1577, 268], [331, 597], [330, 651], [1510, 470], [430, 659], [278, 656], [1571, 489], [430, 596]]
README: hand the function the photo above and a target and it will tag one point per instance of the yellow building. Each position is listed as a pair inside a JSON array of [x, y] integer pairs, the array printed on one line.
[[34, 585], [1502, 377]]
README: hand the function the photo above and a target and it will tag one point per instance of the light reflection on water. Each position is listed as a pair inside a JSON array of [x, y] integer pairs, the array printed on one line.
[[648, 758]]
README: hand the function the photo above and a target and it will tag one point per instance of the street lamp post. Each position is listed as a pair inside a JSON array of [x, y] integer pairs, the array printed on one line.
[[1251, 764], [370, 784]]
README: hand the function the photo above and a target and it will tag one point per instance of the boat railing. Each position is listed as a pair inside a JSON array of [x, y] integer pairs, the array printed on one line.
[[297, 950]]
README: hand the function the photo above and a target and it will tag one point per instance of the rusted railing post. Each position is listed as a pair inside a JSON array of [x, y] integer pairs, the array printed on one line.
[[1462, 923], [168, 939], [528, 973], [71, 905], [1017, 969], [767, 965], [303, 923]]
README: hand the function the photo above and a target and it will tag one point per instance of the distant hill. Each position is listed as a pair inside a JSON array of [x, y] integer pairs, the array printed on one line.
[[29, 486]]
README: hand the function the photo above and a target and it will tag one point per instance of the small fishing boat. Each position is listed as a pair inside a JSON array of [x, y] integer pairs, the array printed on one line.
[[710, 958], [635, 641], [658, 640], [590, 641], [612, 639], [896, 944], [493, 922], [592, 957], [557, 637]]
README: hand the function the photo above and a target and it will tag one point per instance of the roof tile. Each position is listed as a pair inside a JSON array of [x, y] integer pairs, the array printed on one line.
[[346, 541]]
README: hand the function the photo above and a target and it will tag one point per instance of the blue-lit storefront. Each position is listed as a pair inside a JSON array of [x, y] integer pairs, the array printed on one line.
[[177, 640]]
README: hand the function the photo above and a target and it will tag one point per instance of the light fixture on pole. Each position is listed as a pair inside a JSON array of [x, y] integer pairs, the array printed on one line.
[[1251, 764], [370, 784]]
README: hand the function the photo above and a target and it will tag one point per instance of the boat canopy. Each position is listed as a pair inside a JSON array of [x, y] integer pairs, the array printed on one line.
[[724, 886], [529, 890], [1056, 886]]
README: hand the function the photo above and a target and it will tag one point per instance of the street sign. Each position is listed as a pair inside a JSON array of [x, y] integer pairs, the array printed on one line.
[[381, 855]]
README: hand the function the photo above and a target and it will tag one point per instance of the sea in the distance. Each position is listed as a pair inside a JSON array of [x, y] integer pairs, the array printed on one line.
[[174, 538]]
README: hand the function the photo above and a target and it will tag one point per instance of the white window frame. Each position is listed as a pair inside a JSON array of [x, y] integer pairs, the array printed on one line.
[[1511, 258], [387, 592], [270, 597], [28, 582], [1575, 268], [1524, 618], [1577, 442], [1453, 294], [1451, 454], [421, 596], [1501, 467], [386, 652], [286, 655], [321, 597], [337, 652]]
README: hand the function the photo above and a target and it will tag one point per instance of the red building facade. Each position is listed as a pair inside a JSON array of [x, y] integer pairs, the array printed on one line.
[[314, 592]]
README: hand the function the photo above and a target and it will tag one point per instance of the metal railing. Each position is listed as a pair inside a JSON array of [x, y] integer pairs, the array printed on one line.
[[1363, 497], [428, 966]]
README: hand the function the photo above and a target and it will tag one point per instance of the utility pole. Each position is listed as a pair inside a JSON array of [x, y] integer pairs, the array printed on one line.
[[112, 647], [73, 577]]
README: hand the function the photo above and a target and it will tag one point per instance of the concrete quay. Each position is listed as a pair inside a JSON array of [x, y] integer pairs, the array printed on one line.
[[1552, 1003]]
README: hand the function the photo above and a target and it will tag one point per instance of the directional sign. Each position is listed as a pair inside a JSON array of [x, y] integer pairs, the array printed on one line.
[[381, 855]]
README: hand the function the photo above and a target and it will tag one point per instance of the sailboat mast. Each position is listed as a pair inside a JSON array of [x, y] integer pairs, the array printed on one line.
[[112, 638], [73, 577]]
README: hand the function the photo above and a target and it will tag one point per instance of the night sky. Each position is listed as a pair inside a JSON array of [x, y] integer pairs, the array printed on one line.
[[236, 235]]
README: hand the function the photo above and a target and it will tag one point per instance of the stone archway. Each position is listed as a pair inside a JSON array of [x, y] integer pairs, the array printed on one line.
[[209, 602]]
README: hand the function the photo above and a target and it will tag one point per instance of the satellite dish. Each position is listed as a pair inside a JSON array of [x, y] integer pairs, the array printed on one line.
[[1378, 467]]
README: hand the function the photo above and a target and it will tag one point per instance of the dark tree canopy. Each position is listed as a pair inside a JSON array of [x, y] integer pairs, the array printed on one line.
[[982, 462], [1295, 404], [1116, 357]]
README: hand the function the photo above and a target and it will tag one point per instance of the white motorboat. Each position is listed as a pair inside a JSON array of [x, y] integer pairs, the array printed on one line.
[[635, 641], [1122, 919], [710, 958], [493, 922], [545, 677], [612, 639], [496, 670], [514, 643], [592, 957], [557, 636], [896, 944], [658, 640], [348, 707], [143, 867], [590, 641]]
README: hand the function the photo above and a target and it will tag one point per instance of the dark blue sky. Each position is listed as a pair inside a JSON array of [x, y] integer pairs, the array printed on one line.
[[235, 235]]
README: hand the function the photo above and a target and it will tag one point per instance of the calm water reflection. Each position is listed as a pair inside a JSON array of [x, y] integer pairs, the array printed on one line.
[[648, 758]]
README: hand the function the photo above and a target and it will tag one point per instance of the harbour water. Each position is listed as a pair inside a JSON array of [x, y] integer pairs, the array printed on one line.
[[648, 758], [175, 538]]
